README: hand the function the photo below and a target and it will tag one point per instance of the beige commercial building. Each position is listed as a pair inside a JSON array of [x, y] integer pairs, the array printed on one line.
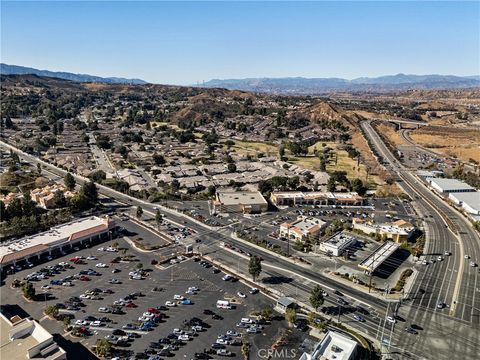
[[242, 202], [45, 197], [26, 339], [55, 240], [295, 198], [397, 231], [304, 228]]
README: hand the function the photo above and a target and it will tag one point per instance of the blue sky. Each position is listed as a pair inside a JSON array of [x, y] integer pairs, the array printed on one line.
[[186, 42]]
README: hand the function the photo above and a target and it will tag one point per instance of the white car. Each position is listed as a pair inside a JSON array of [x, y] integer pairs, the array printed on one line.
[[96, 323], [246, 321], [439, 258], [241, 294], [83, 296], [233, 333], [136, 277], [473, 264], [104, 310], [63, 263], [178, 297], [253, 330], [467, 256], [447, 253], [226, 277], [143, 318], [111, 249], [391, 319], [222, 341], [101, 265], [67, 283], [253, 291], [193, 288], [101, 249], [183, 337], [91, 257], [170, 303], [424, 262], [46, 287], [81, 323]]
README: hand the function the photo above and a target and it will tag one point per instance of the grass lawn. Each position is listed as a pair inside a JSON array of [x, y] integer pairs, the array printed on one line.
[[344, 162], [253, 148]]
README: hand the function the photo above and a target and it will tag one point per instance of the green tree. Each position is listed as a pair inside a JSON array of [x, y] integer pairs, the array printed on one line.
[[293, 182], [316, 297], [3, 211], [267, 313], [69, 181], [15, 208], [231, 167], [290, 316], [254, 267], [139, 266], [98, 175], [103, 348], [28, 205], [28, 290], [357, 186], [90, 192], [51, 311], [115, 245], [66, 321], [158, 159], [246, 350], [59, 199], [139, 212], [158, 217], [8, 122]]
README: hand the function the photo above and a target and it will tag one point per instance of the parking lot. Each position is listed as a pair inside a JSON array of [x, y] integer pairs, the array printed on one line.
[[169, 281]]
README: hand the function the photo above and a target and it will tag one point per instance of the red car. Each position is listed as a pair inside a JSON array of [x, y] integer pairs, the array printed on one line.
[[131, 305], [84, 278], [153, 310]]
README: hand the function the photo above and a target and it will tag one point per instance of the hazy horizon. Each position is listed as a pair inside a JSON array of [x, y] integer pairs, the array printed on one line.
[[188, 42]]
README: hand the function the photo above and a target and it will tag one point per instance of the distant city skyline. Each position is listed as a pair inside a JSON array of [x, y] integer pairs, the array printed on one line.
[[188, 42]]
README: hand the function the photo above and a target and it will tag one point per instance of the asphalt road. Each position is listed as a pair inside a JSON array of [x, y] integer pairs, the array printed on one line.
[[451, 280], [214, 237]]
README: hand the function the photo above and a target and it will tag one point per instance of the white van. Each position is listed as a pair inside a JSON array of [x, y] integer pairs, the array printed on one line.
[[223, 304]]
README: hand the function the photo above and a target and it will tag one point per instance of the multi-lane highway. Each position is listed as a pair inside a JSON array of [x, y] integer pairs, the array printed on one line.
[[435, 282], [452, 281]]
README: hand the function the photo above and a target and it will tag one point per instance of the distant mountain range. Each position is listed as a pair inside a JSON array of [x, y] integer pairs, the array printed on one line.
[[6, 69], [300, 85]]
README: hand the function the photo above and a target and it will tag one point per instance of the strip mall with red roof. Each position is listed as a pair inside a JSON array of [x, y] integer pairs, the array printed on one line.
[[56, 240]]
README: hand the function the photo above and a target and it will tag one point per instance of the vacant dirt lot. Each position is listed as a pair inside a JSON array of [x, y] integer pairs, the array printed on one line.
[[462, 143]]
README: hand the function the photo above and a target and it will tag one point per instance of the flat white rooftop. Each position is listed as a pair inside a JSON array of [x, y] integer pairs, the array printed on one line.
[[56, 235], [340, 240], [471, 199], [450, 184], [241, 197], [334, 346]]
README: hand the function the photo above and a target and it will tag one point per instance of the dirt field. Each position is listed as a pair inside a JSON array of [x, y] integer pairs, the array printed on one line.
[[462, 143], [390, 133]]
